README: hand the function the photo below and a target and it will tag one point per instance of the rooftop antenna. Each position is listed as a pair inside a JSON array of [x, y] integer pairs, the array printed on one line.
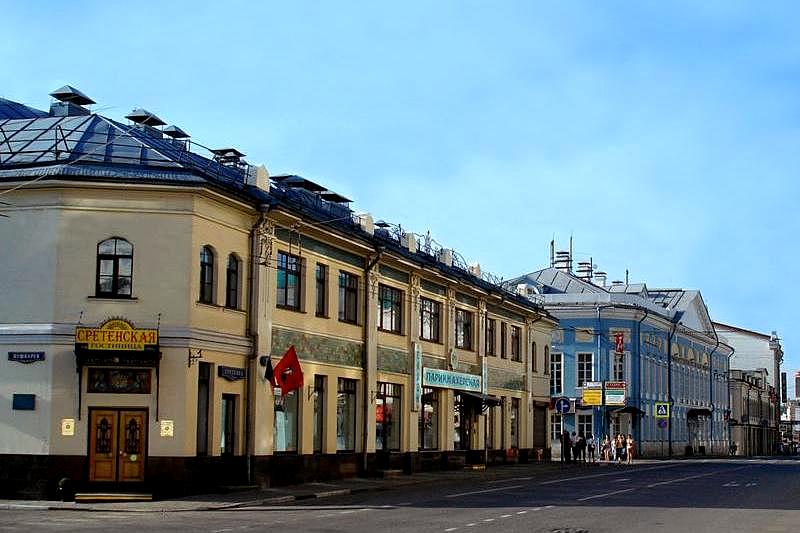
[[626, 276], [569, 264], [553, 251]]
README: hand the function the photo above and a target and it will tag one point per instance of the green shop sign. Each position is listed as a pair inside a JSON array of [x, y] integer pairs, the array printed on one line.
[[432, 377]]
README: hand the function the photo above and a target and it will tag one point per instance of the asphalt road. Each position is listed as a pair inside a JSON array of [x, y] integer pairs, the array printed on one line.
[[687, 496]]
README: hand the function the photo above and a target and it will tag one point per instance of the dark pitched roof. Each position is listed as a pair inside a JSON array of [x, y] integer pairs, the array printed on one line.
[[13, 110]]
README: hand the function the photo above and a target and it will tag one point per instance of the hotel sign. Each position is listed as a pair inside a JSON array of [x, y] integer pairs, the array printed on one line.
[[118, 335], [432, 377]]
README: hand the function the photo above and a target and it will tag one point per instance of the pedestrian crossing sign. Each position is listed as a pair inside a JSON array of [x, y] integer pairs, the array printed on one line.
[[662, 410]]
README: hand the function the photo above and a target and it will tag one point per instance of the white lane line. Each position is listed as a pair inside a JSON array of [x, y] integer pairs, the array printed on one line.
[[693, 477], [526, 478], [450, 529], [604, 495], [470, 525], [521, 512], [488, 519], [549, 506], [564, 480], [505, 516], [621, 479], [482, 491]]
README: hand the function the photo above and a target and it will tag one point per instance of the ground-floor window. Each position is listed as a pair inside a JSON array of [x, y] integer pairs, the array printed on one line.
[[227, 444], [555, 427], [514, 422], [319, 412], [585, 425], [285, 429], [346, 415], [429, 419], [388, 419]]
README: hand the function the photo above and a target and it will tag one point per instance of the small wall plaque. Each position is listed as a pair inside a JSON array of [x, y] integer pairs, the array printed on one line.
[[168, 428], [24, 402], [67, 427], [230, 373], [26, 357]]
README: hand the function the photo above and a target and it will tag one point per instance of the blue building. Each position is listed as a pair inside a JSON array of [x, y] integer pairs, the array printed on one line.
[[658, 345]]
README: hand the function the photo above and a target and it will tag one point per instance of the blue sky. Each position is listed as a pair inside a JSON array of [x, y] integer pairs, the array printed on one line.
[[664, 137]]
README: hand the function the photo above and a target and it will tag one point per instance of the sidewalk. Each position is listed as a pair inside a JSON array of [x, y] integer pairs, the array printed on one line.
[[293, 493]]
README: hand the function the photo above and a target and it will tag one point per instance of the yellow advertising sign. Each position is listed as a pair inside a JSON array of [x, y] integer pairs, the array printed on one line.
[[116, 334], [592, 393]]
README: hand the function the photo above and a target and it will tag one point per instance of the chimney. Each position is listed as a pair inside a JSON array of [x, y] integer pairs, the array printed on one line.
[[445, 256], [409, 241], [563, 261], [366, 223], [257, 176], [475, 270], [179, 137], [600, 278], [70, 102], [584, 270], [146, 121]]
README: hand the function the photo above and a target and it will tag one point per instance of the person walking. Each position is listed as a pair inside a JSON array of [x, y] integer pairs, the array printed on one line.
[[590, 446], [629, 451], [575, 448], [618, 448], [566, 446], [607, 448]]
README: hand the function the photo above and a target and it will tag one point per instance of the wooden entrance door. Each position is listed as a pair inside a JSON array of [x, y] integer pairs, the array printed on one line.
[[117, 445]]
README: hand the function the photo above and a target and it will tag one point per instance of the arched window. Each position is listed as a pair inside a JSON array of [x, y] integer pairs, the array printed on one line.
[[232, 282], [114, 269], [207, 275]]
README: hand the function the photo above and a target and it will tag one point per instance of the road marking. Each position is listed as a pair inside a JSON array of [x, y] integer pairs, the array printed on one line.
[[621, 479], [698, 476], [505, 516], [488, 519], [472, 524], [604, 495], [526, 478], [549, 506], [521, 512], [731, 484], [450, 529], [482, 491], [563, 480], [536, 509]]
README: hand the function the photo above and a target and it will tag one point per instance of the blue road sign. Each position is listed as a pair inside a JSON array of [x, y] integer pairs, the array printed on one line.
[[562, 406]]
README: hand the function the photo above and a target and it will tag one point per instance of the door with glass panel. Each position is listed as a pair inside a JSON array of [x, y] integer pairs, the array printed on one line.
[[117, 445]]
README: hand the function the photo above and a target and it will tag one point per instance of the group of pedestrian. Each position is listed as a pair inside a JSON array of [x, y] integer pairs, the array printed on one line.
[[618, 450], [575, 448]]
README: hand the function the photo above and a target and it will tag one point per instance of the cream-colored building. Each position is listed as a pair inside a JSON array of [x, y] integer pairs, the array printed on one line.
[[753, 408], [145, 285]]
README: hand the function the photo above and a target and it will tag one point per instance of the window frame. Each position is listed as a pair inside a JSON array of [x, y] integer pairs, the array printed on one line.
[[464, 330], [581, 368], [395, 392], [491, 334], [395, 309], [283, 266], [233, 287], [503, 340], [556, 375], [618, 366], [430, 396], [318, 413], [516, 343], [115, 259], [347, 387], [348, 297], [208, 260], [321, 284], [434, 314]]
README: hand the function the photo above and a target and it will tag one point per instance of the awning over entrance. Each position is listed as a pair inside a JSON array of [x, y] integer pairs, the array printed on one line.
[[694, 413], [487, 400], [628, 409]]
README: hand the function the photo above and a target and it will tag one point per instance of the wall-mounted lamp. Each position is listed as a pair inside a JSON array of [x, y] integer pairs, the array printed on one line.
[[194, 355]]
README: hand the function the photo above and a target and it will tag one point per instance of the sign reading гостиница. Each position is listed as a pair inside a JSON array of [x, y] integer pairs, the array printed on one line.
[[432, 377]]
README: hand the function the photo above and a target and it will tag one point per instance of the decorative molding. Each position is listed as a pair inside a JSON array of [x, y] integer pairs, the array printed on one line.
[[313, 347]]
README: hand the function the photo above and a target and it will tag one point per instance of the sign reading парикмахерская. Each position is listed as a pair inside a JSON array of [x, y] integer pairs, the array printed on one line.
[[432, 377]]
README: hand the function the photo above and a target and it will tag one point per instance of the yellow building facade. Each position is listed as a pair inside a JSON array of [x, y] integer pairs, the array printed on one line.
[[149, 292]]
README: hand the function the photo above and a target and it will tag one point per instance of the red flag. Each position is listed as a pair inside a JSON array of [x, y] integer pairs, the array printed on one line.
[[288, 374], [619, 342]]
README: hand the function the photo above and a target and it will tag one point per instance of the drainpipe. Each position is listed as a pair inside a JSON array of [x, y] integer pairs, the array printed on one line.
[[253, 334], [711, 389], [370, 264], [669, 387], [728, 382], [639, 355]]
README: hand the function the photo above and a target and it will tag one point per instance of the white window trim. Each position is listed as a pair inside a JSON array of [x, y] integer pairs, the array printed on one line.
[[561, 364], [578, 367]]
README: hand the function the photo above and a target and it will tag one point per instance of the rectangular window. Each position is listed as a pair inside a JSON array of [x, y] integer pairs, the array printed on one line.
[[619, 367], [319, 412], [503, 338], [555, 427], [388, 421], [203, 390], [288, 281], [285, 421], [429, 317], [321, 277], [585, 425], [346, 415], [348, 297], [516, 354], [227, 444], [515, 422], [490, 427], [490, 336], [463, 329], [584, 368], [556, 385], [429, 420], [390, 309], [534, 357]]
